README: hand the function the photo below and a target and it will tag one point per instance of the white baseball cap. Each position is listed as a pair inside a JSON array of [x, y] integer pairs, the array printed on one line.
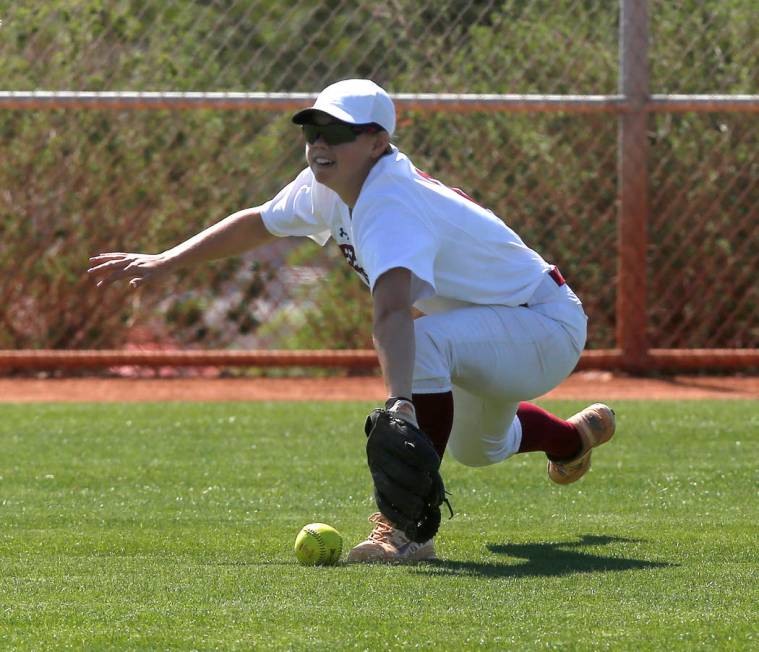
[[355, 101]]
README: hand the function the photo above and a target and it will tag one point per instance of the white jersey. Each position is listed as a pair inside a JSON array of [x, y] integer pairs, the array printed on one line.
[[458, 252]]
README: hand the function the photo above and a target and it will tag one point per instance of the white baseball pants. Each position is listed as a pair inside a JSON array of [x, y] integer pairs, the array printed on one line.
[[493, 357]]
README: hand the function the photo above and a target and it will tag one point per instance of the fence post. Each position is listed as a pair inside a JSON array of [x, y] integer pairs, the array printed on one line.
[[632, 164]]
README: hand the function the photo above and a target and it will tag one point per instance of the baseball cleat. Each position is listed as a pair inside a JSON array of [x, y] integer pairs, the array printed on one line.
[[389, 545], [596, 425]]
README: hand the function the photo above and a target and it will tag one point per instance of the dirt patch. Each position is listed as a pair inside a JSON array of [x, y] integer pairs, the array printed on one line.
[[590, 386]]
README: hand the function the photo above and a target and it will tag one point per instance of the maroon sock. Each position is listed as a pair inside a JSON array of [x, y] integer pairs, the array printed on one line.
[[543, 431], [434, 412]]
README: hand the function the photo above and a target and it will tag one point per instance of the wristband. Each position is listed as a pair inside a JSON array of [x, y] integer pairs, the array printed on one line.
[[403, 409], [394, 399]]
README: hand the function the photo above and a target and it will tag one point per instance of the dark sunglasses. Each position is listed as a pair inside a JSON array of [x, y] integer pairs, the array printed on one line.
[[337, 133]]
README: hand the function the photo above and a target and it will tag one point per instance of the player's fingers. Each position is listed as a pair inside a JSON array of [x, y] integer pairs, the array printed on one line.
[[134, 283], [123, 262], [110, 266], [110, 255], [111, 278], [109, 273]]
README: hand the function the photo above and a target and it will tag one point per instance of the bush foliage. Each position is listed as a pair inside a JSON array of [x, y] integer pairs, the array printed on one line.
[[76, 182]]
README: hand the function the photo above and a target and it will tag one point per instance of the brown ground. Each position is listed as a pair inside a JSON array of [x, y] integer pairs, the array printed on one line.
[[580, 386]]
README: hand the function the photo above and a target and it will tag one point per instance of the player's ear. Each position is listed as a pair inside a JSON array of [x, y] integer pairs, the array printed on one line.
[[381, 143]]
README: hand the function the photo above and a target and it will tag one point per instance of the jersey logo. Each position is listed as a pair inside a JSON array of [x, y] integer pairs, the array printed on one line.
[[350, 255], [458, 191]]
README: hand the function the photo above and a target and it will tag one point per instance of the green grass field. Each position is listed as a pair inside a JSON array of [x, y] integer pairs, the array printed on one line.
[[171, 526]]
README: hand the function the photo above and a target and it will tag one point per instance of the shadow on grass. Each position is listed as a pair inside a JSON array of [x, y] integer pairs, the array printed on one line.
[[545, 560]]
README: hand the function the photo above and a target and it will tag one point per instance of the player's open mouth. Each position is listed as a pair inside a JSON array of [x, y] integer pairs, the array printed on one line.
[[323, 162]]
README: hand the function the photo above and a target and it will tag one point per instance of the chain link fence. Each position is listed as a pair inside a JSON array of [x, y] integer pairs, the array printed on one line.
[[78, 181]]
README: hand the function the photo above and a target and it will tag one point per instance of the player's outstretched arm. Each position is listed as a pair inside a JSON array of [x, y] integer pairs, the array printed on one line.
[[231, 236]]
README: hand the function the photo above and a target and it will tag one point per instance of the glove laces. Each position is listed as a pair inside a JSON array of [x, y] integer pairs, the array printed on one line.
[[448, 504]]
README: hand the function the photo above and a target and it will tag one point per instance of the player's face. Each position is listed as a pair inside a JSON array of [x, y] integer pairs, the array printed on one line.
[[339, 157]]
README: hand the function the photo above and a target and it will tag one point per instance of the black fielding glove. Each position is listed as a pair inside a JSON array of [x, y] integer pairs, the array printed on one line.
[[405, 469]]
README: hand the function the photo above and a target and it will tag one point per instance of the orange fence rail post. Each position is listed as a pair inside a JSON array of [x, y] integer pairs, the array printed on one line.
[[633, 185]]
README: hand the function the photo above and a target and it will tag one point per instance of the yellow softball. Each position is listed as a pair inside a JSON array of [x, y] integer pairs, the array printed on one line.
[[318, 544]]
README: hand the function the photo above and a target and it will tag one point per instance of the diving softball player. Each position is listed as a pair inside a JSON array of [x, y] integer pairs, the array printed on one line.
[[500, 324]]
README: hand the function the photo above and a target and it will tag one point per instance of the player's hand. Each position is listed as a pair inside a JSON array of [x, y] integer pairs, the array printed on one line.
[[403, 409], [139, 269]]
